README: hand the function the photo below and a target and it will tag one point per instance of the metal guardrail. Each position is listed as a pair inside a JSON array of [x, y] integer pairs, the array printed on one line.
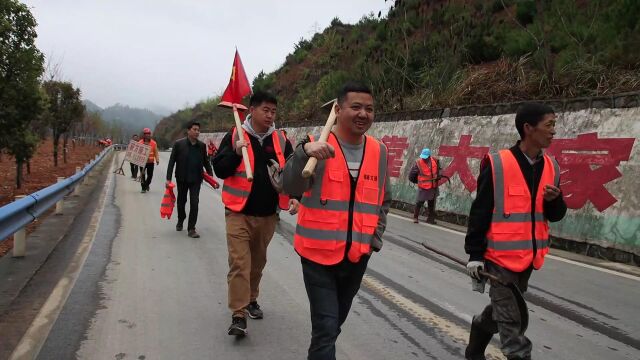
[[20, 213]]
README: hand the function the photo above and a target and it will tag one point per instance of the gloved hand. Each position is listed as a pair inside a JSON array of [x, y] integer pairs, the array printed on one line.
[[275, 175], [474, 267]]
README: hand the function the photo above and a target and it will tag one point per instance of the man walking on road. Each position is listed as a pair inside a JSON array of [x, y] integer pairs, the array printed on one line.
[[508, 234], [134, 167], [189, 155], [154, 157], [342, 214], [250, 207], [425, 173]]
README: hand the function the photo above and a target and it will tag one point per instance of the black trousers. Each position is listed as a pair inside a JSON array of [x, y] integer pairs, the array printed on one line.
[[431, 210], [502, 315], [194, 197], [134, 170], [147, 175], [331, 290]]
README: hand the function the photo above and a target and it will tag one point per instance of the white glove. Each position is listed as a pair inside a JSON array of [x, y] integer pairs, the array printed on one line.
[[474, 267], [275, 175]]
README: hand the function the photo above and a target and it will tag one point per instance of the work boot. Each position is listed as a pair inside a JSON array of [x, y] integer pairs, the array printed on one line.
[[193, 234], [238, 326], [253, 310], [478, 342], [416, 213]]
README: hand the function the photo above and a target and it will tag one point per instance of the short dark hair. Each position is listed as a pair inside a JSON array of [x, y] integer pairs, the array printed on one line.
[[190, 124], [352, 86], [259, 97], [532, 114], [135, 135]]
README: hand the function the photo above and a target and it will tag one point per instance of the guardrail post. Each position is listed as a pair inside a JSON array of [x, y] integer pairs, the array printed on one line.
[[76, 190], [85, 180], [19, 239], [60, 203]]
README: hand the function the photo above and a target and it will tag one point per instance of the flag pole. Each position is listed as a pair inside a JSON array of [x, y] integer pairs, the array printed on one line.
[[245, 153]]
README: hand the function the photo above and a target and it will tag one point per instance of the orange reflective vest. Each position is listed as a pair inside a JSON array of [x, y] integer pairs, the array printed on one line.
[[428, 175], [331, 210], [168, 202], [517, 225], [236, 188], [152, 153]]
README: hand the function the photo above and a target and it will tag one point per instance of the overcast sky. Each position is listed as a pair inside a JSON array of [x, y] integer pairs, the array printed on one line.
[[170, 53]]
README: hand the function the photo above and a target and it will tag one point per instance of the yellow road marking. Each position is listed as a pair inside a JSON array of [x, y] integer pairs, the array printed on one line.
[[457, 333]]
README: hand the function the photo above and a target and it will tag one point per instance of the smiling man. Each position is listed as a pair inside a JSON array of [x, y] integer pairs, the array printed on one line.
[[508, 234], [343, 214], [250, 206]]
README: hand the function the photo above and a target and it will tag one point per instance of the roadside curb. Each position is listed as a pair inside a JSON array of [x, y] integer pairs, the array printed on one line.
[[605, 264]]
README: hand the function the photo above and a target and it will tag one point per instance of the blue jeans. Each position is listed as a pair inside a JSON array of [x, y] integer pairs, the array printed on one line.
[[331, 290]]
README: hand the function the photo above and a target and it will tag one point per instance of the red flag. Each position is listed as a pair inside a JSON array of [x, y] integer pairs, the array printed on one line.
[[238, 86]]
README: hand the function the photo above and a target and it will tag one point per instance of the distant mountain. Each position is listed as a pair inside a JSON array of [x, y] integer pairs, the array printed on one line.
[[134, 118], [91, 107], [130, 120], [160, 110]]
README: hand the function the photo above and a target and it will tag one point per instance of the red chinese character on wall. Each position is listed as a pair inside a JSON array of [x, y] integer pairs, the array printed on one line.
[[587, 163], [460, 153], [396, 145]]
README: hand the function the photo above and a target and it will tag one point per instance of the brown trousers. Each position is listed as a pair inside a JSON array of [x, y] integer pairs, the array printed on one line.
[[247, 241]]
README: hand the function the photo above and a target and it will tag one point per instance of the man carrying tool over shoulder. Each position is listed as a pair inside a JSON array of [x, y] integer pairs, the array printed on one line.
[[343, 213], [250, 207], [508, 234]]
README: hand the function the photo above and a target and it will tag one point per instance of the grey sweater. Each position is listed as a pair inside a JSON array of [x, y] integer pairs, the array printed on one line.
[[295, 185]]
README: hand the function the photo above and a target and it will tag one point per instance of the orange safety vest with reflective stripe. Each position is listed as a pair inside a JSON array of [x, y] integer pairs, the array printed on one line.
[[152, 154], [428, 174], [515, 225], [236, 188], [328, 213]]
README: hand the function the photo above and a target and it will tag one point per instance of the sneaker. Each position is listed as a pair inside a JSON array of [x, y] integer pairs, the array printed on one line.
[[253, 310], [415, 220], [143, 191], [179, 226], [193, 234], [238, 326]]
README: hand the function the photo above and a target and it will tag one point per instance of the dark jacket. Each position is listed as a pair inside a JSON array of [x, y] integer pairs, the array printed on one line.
[[263, 199], [180, 158], [475, 242]]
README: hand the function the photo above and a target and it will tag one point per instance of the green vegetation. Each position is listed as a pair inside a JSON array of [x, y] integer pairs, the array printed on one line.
[[440, 53], [31, 109], [21, 99]]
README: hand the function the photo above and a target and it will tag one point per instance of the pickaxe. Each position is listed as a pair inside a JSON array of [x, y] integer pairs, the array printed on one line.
[[312, 162]]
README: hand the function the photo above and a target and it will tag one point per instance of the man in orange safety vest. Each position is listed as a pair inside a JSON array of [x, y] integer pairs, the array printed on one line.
[[508, 232], [342, 216]]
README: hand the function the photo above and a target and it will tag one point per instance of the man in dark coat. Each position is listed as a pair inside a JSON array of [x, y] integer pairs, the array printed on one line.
[[189, 155]]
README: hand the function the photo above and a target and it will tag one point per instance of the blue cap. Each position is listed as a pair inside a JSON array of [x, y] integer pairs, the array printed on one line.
[[425, 153]]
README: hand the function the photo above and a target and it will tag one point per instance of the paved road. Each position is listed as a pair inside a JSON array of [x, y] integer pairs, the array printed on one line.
[[148, 292]]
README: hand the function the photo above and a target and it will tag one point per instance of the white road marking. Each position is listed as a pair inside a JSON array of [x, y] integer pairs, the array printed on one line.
[[554, 257]]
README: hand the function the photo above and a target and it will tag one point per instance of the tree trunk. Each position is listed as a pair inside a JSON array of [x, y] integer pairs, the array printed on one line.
[[65, 141], [18, 174], [546, 45], [56, 141]]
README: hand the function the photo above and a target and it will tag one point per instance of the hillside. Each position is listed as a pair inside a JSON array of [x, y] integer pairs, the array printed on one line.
[[128, 120], [455, 52]]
